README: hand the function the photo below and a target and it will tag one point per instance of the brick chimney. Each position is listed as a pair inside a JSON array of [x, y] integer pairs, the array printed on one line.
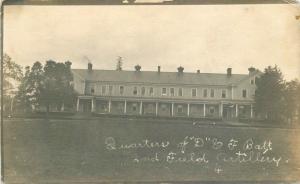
[[229, 72], [198, 71], [180, 69], [90, 67], [137, 68], [158, 69], [251, 70]]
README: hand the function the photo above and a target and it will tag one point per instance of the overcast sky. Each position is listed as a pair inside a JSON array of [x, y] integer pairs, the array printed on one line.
[[206, 37]]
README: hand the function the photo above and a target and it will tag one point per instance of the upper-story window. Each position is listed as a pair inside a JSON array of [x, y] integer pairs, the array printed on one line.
[[92, 89], [194, 92], [163, 91], [224, 94], [252, 81], [204, 93], [180, 93], [143, 91], [110, 89], [172, 92], [135, 91], [151, 92], [212, 93], [121, 90], [103, 90], [244, 93]]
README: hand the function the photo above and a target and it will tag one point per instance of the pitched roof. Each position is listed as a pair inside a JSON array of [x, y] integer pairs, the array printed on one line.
[[154, 77]]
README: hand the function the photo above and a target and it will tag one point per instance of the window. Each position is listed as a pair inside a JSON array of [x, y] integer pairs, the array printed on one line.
[[194, 92], [151, 107], [151, 91], [134, 107], [244, 93], [110, 88], [172, 91], [103, 90], [121, 90], [135, 92], [143, 90], [164, 91], [180, 93], [164, 107], [120, 106], [252, 81], [212, 93], [211, 110], [92, 89], [223, 93], [256, 79], [204, 93], [179, 109]]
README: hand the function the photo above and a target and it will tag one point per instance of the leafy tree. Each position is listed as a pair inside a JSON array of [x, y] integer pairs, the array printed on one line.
[[12, 75], [58, 89], [48, 85], [31, 87], [292, 99], [269, 96]]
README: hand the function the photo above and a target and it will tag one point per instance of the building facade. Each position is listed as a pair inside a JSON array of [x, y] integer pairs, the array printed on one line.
[[166, 94]]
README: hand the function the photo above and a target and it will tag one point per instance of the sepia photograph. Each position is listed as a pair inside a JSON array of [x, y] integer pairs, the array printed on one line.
[[150, 91]]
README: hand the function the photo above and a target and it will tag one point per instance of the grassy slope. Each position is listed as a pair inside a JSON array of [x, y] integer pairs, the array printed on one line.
[[74, 150]]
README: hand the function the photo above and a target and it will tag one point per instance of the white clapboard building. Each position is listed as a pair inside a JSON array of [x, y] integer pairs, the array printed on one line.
[[169, 94]]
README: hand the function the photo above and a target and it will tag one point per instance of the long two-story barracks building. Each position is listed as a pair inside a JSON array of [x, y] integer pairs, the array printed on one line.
[[166, 94]]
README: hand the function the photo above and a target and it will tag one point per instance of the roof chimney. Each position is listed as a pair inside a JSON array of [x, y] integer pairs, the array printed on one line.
[[229, 72], [90, 67], [137, 68], [180, 69], [251, 70], [158, 69], [198, 71]]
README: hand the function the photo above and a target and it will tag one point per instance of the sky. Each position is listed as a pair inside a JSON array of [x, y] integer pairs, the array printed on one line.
[[210, 38]]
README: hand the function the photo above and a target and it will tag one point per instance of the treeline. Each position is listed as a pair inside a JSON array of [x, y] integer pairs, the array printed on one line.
[[41, 87], [277, 100], [50, 87]]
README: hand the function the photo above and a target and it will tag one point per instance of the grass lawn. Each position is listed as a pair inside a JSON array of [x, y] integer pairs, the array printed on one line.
[[118, 149]]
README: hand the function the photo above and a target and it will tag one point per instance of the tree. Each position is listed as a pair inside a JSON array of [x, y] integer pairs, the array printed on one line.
[[48, 85], [31, 87], [58, 89], [119, 64], [269, 96], [292, 99], [21, 97], [12, 75]]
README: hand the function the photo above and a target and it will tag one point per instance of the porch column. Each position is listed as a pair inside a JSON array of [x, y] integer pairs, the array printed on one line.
[[156, 108], [221, 110], [93, 106], [172, 109], [125, 107], [251, 111], [109, 106], [188, 109], [62, 106], [236, 110], [204, 110], [141, 107], [77, 105]]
